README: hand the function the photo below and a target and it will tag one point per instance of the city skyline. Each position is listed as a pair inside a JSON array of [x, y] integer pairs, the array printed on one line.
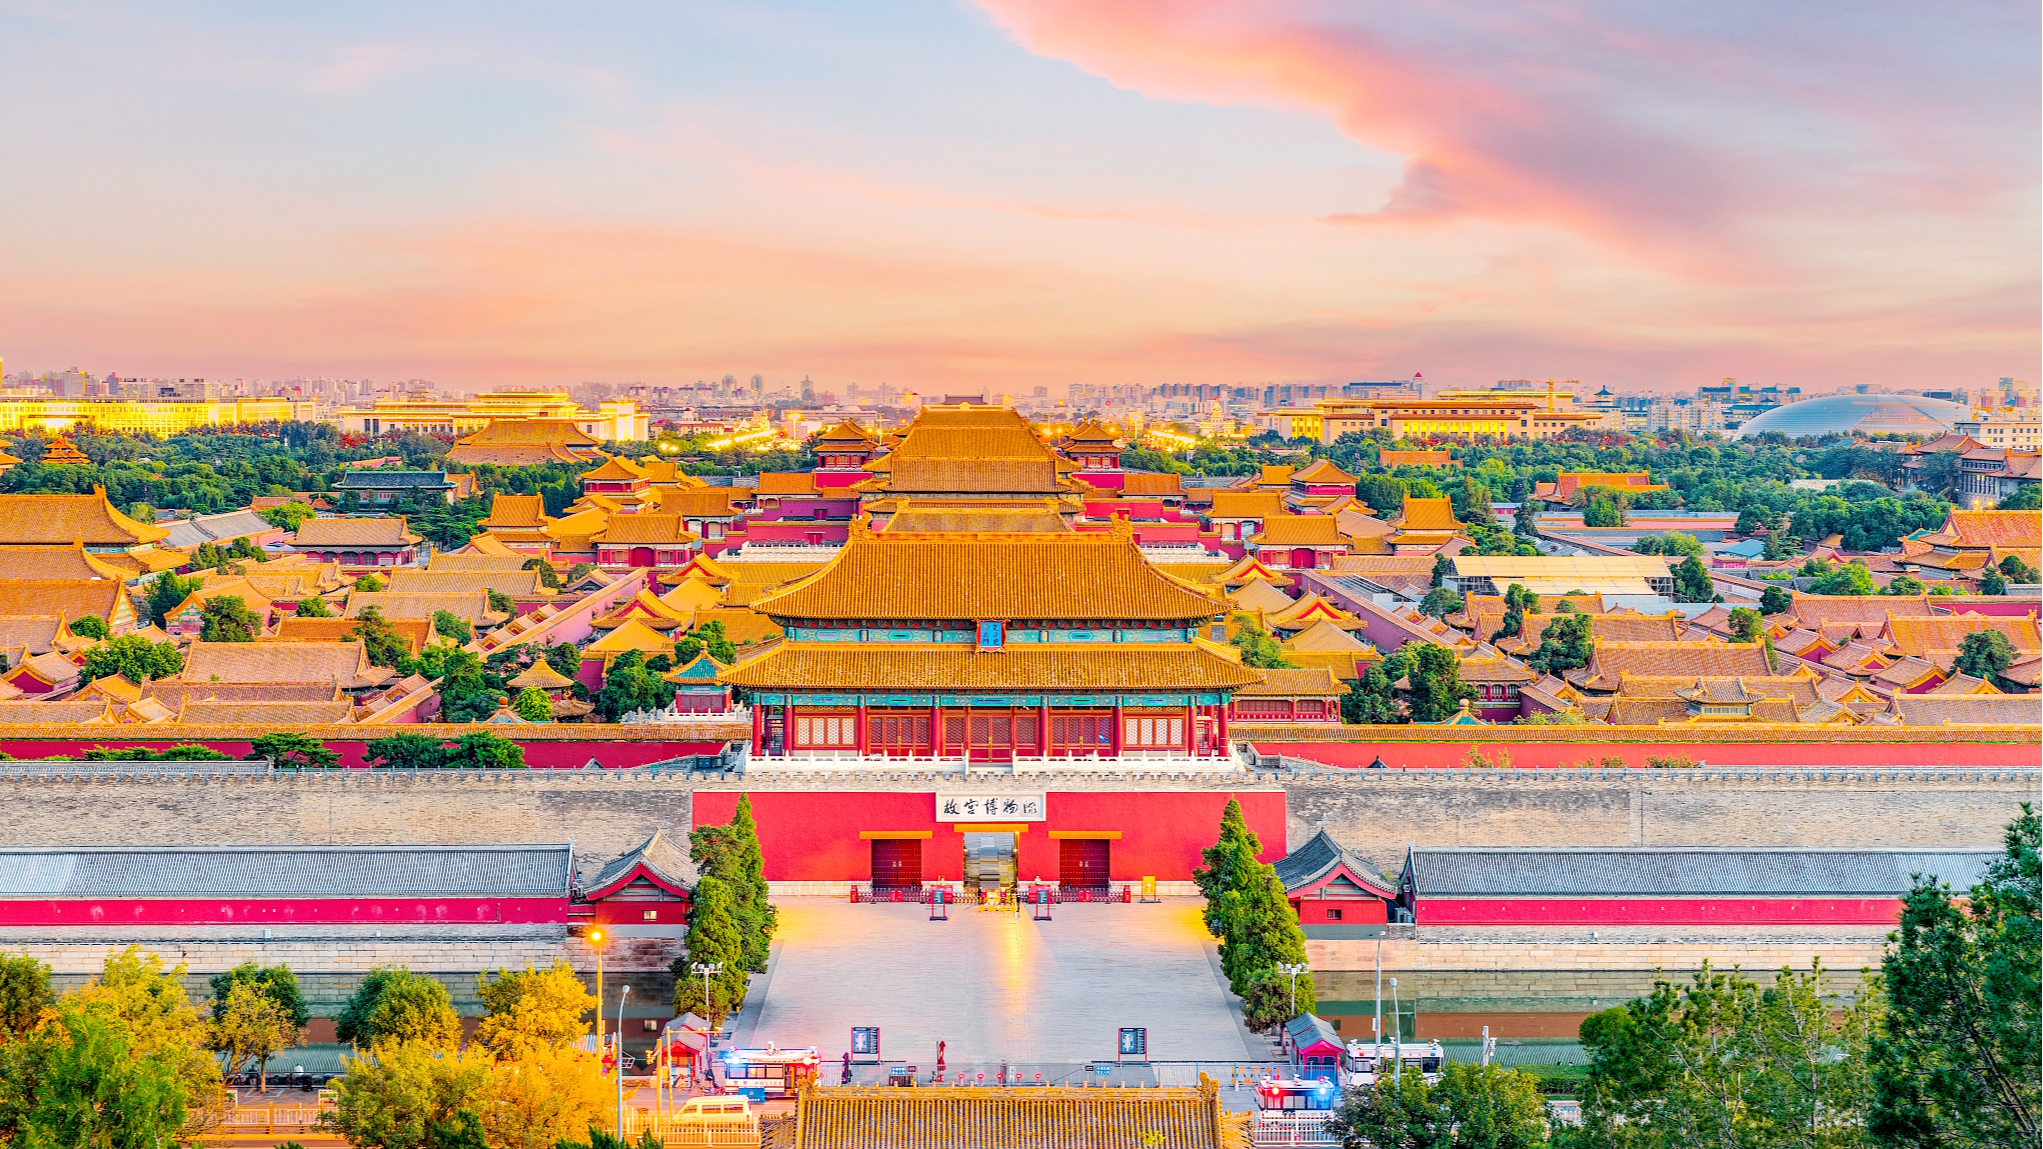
[[995, 197]]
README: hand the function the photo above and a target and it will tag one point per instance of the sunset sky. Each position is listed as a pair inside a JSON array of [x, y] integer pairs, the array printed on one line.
[[1024, 192]]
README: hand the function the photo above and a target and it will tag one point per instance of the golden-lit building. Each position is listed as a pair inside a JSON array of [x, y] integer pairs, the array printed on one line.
[[1462, 415], [148, 416], [613, 420]]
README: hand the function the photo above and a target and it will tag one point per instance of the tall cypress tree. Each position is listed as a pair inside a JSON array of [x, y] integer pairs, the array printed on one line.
[[749, 868], [1218, 876], [713, 936]]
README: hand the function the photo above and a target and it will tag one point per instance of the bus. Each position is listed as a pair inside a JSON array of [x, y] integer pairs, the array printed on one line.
[[1368, 1058], [761, 1074]]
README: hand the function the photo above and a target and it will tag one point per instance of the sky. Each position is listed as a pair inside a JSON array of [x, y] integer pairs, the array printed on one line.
[[1016, 193]]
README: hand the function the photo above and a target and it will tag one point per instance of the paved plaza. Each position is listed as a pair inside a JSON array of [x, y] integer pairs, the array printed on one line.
[[1048, 995]]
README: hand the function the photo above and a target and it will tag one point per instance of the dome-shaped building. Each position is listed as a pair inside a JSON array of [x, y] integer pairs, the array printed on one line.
[[1864, 414]]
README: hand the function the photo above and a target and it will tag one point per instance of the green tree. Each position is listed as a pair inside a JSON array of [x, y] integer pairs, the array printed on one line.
[[1441, 602], [548, 576], [368, 584], [1443, 569], [167, 592], [713, 937], [251, 1026], [447, 624], [532, 1009], [1603, 510], [1903, 584], [1746, 625], [1992, 582], [483, 750], [2015, 570], [629, 686], [1986, 655], [228, 619], [89, 626], [1940, 473], [134, 658], [2027, 497], [1384, 494], [1774, 600], [1692, 583], [1845, 579], [1372, 700], [1436, 689], [501, 603], [287, 515], [1473, 1107], [1517, 601], [412, 1097], [1222, 861], [1525, 521], [86, 1080], [533, 705], [1258, 649], [380, 640], [24, 995], [1957, 1064], [395, 1005], [276, 982], [1722, 1061], [292, 751], [405, 752], [313, 608], [1671, 544], [1565, 644], [731, 854]]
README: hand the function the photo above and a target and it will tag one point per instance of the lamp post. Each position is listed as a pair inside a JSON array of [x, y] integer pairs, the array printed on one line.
[[1397, 1038], [622, 993], [1294, 969], [714, 969]]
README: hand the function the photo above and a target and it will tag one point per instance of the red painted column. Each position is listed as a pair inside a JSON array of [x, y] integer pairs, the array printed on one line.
[[864, 740], [1220, 713], [936, 730], [1191, 740], [1043, 728], [758, 728], [787, 729], [1117, 727]]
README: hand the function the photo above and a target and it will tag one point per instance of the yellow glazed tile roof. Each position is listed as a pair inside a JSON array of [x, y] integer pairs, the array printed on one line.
[[516, 511], [1022, 666], [1036, 576], [61, 520]]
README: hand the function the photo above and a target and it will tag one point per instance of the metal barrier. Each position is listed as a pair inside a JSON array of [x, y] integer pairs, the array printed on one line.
[[709, 1131], [271, 1119]]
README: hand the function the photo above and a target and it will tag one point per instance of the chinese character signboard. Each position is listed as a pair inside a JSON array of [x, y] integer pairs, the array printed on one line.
[[991, 807], [1134, 1045], [865, 1043], [992, 634]]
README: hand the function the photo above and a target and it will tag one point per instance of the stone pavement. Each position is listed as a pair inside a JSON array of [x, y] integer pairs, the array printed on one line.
[[1045, 996]]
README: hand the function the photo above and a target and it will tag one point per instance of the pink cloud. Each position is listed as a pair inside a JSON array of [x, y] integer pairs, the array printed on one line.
[[1663, 134]]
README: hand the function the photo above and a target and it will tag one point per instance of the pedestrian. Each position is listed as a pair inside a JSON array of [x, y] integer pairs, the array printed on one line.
[[845, 1079]]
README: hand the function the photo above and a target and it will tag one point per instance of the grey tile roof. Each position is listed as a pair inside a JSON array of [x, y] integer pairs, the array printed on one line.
[[392, 479], [1685, 871], [208, 528], [662, 857], [287, 871], [1318, 858]]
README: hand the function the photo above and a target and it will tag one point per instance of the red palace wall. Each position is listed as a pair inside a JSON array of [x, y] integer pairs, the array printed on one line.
[[1436, 755], [547, 755], [281, 911], [813, 836], [1657, 911]]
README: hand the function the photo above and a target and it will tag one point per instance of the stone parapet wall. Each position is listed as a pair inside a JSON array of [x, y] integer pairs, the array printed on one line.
[[1375, 812], [446, 950], [1552, 959], [1378, 813]]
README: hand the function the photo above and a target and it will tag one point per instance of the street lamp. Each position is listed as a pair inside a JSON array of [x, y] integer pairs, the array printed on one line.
[[714, 969], [622, 993], [1397, 1037], [1294, 970]]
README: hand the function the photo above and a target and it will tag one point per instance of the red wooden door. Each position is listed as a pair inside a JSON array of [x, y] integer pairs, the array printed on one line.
[[897, 862], [1082, 863]]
